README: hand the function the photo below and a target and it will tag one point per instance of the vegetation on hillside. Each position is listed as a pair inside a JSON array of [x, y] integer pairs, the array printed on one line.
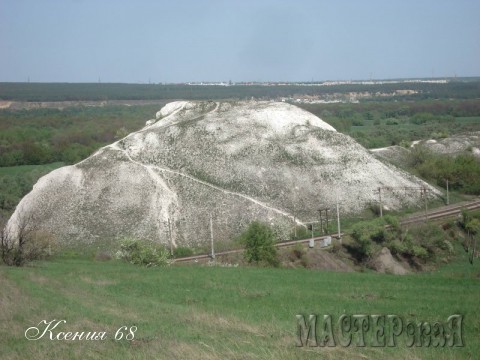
[[142, 253], [461, 171], [258, 241], [380, 124], [423, 242], [419, 244], [23, 242], [42, 136]]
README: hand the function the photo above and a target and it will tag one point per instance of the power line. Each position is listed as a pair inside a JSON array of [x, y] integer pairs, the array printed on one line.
[[423, 193]]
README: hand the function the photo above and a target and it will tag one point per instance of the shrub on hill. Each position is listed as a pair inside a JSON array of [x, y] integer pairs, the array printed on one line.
[[422, 241], [462, 171], [259, 240], [367, 234], [23, 242], [142, 253]]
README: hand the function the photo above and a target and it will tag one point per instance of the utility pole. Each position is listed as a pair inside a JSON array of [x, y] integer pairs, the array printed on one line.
[[323, 230], [423, 193], [295, 188], [426, 203], [474, 246], [448, 199], [211, 237], [320, 220], [380, 199], [338, 219], [294, 221], [326, 217], [170, 236]]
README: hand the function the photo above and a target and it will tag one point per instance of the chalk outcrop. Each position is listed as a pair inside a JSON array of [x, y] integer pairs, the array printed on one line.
[[239, 161], [384, 262]]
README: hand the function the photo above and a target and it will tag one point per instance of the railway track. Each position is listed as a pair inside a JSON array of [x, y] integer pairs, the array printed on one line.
[[449, 211], [442, 213], [278, 245]]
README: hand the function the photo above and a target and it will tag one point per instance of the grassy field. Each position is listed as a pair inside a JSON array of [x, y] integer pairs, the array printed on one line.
[[203, 312]]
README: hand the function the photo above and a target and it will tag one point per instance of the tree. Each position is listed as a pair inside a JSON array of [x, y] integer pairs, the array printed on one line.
[[473, 228], [22, 242], [259, 241]]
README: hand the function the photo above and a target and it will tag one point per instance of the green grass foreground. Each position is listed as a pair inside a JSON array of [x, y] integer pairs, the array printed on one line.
[[201, 312]]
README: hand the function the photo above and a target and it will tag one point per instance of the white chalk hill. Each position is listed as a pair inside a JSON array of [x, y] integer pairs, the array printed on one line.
[[239, 161]]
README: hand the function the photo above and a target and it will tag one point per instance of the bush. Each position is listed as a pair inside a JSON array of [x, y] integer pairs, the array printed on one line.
[[447, 245], [393, 222], [418, 155], [463, 171], [391, 122], [365, 246], [422, 241], [299, 253], [473, 226], [365, 233], [421, 118], [142, 253], [405, 144], [259, 240], [397, 247], [419, 251], [23, 242]]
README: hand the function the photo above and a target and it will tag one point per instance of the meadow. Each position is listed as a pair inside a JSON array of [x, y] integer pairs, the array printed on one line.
[[215, 312]]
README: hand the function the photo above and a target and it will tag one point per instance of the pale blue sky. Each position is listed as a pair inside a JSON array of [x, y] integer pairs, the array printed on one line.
[[249, 40]]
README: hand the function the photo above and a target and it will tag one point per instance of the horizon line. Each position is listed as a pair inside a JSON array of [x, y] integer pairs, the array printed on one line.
[[233, 83]]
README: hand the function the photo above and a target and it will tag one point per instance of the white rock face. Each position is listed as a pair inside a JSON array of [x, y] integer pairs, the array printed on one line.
[[171, 108], [456, 144], [240, 161]]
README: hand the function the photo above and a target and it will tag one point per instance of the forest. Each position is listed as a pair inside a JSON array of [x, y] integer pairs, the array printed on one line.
[[468, 88]]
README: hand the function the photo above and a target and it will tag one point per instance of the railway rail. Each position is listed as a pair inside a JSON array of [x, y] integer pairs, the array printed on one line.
[[278, 245], [451, 210], [448, 211]]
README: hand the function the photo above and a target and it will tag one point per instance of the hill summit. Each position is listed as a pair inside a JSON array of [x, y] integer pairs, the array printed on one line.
[[232, 161]]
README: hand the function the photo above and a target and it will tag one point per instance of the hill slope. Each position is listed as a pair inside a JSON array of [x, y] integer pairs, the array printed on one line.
[[239, 161]]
